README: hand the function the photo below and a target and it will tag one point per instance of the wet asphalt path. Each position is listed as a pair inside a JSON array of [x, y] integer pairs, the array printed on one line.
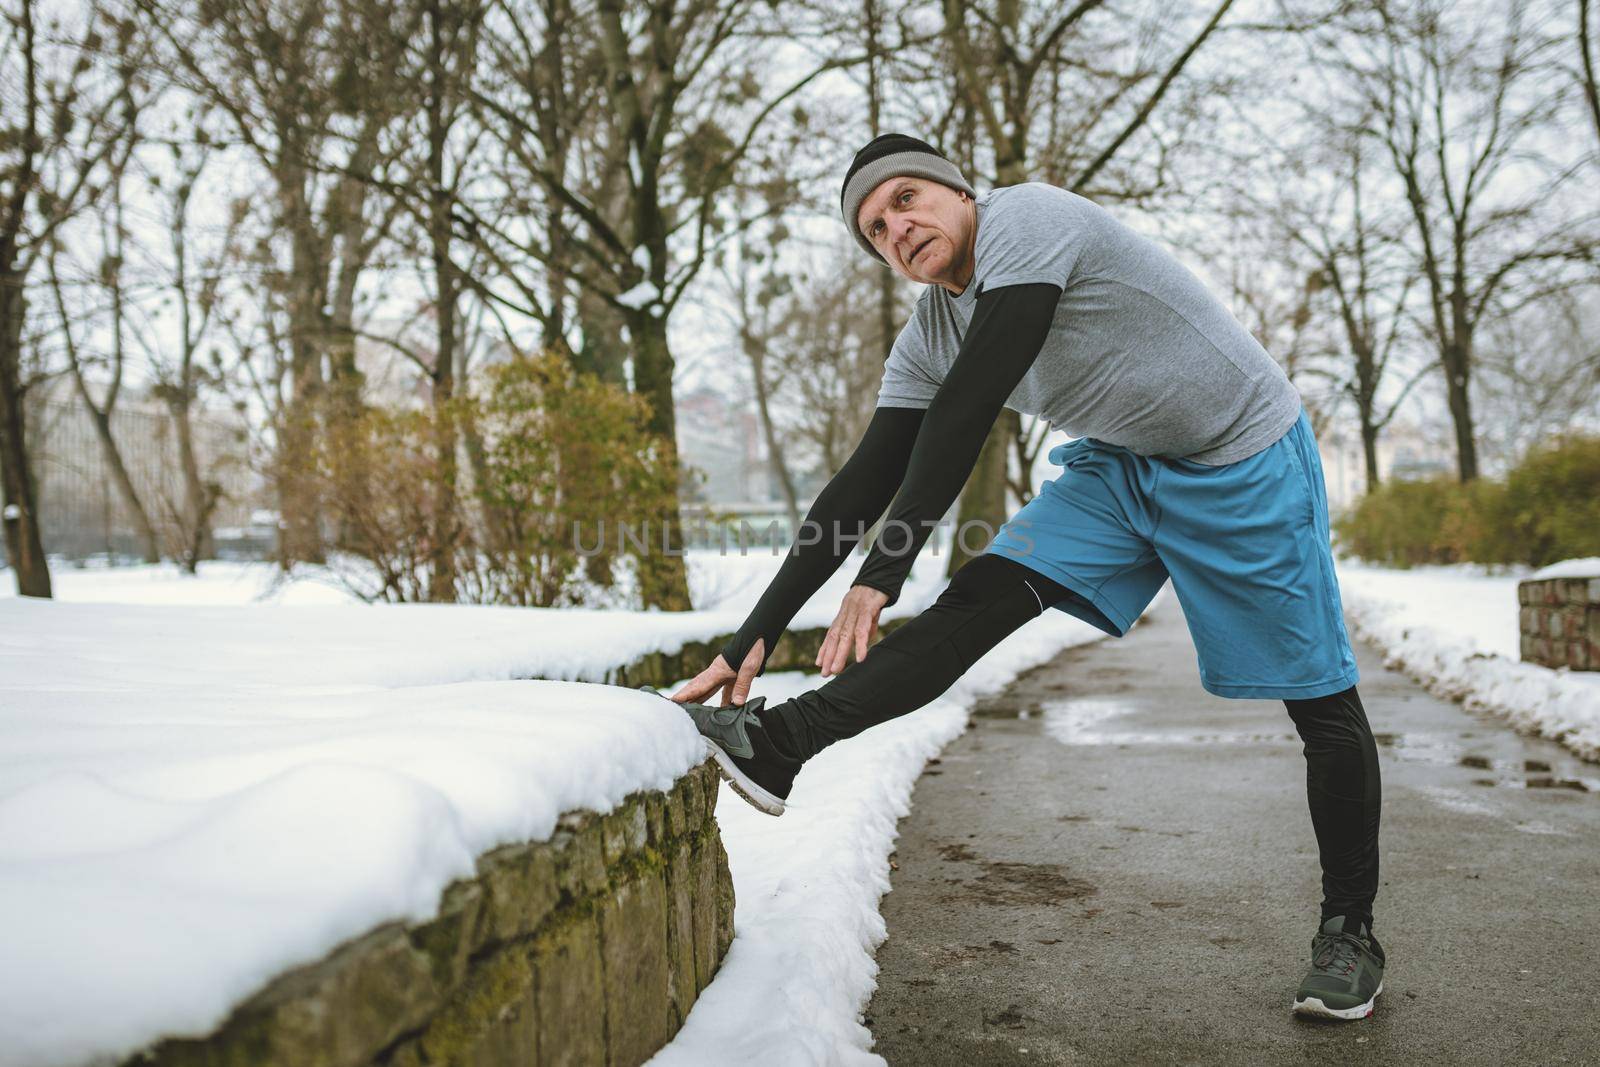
[[1113, 866]]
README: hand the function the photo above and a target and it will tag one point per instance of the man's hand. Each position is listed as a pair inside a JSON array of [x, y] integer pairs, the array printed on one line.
[[735, 686], [853, 628]]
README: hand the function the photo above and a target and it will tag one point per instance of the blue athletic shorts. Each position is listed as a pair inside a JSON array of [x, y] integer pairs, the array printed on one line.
[[1246, 546]]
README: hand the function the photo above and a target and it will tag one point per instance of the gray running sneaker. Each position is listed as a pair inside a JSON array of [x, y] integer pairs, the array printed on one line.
[[746, 758], [1346, 972]]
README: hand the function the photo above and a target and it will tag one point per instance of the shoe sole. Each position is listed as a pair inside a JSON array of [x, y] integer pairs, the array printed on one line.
[[1315, 1008], [751, 793]]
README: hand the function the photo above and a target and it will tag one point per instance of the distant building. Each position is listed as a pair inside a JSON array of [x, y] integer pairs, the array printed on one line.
[[722, 440], [81, 511]]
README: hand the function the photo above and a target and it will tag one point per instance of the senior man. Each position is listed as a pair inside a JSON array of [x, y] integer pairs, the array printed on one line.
[[1193, 459]]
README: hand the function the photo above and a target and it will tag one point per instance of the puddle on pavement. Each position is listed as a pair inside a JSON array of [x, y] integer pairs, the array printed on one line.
[[1530, 774], [1080, 722], [1090, 721]]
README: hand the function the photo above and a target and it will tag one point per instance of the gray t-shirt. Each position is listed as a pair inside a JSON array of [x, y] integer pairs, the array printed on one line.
[[1140, 354]]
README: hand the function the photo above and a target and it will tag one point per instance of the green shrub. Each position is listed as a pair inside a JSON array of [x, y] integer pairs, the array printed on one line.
[[1548, 508], [1552, 502], [1404, 524], [549, 463]]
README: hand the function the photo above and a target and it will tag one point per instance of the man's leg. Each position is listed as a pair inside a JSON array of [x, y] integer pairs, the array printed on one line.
[[988, 599], [1343, 789]]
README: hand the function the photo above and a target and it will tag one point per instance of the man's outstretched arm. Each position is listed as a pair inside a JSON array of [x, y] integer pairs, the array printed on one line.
[[1008, 328], [851, 502]]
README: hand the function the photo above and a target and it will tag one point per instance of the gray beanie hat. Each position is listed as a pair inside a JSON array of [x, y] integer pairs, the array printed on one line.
[[893, 155]]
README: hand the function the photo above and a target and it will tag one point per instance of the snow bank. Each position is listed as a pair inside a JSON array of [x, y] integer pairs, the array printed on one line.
[[801, 972], [1455, 630], [165, 852], [195, 798], [1569, 568]]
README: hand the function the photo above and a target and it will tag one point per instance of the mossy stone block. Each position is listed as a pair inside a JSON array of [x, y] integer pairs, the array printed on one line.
[[448, 939], [633, 945], [580, 860], [703, 866], [711, 784], [569, 995], [499, 991], [673, 811], [680, 878], [521, 890], [694, 800], [623, 832], [655, 812], [725, 897]]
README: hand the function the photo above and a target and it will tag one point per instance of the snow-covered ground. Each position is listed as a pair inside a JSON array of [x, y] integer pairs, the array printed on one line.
[[1455, 630], [165, 583], [201, 785], [716, 579]]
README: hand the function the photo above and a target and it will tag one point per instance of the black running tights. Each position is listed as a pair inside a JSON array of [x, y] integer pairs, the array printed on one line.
[[991, 597]]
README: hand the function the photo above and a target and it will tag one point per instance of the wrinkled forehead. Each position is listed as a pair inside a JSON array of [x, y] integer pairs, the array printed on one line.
[[880, 196]]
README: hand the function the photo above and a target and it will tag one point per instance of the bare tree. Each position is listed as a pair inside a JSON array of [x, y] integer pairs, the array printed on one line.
[[426, 182], [760, 292], [62, 113], [832, 361], [1358, 270], [193, 284], [682, 111], [1541, 373], [1460, 109], [1586, 65], [100, 413], [306, 87]]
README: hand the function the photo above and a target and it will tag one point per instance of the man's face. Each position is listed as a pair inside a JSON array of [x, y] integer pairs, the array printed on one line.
[[923, 229]]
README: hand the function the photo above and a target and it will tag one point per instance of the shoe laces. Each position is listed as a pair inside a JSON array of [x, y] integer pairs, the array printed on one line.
[[1338, 953]]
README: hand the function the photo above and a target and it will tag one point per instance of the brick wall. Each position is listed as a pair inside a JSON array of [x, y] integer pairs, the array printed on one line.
[[1560, 622]]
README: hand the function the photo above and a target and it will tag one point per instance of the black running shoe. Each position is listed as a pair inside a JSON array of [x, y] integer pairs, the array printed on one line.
[[745, 756], [1346, 973]]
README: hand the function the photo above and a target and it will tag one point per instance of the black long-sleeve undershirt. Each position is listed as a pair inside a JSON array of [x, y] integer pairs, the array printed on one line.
[[927, 455], [839, 517]]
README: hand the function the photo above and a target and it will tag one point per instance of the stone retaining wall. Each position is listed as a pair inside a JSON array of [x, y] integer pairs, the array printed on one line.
[[1560, 622], [585, 949]]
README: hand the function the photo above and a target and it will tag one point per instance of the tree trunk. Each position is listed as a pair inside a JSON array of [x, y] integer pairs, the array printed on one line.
[[1458, 380], [101, 417], [18, 507], [775, 457], [119, 471], [663, 579], [300, 529], [1369, 450], [200, 496], [983, 501], [496, 525], [1456, 376], [442, 565], [602, 353]]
